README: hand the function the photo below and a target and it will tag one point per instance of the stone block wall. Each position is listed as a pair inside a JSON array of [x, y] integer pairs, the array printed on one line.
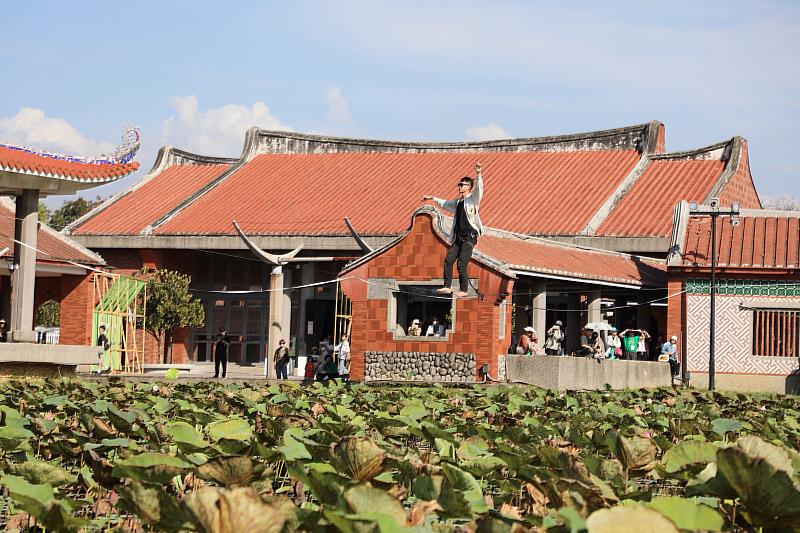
[[420, 366]]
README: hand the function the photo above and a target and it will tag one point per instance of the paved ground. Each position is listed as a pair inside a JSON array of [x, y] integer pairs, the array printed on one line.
[[194, 372]]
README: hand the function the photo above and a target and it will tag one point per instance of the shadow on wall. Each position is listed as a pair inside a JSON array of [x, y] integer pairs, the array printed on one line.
[[793, 383]]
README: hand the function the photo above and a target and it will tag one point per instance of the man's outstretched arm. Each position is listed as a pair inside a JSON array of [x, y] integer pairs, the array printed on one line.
[[478, 192], [449, 205]]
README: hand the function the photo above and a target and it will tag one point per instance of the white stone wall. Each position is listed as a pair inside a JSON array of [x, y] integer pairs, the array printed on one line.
[[734, 335]]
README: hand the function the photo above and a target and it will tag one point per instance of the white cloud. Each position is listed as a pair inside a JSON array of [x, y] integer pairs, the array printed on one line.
[[489, 132], [31, 127], [215, 131], [338, 110]]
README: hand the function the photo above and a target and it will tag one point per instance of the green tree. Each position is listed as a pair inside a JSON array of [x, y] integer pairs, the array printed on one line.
[[49, 314], [170, 305], [44, 213], [71, 211]]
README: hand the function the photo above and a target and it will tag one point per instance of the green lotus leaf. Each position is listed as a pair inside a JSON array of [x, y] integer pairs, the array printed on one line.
[[293, 448], [31, 497], [14, 437], [172, 373], [216, 510], [186, 436], [688, 514], [357, 457], [235, 471], [464, 484], [150, 467], [414, 410], [235, 429], [722, 426], [688, 453], [363, 498], [41, 473], [12, 417], [709, 482], [762, 475], [629, 519]]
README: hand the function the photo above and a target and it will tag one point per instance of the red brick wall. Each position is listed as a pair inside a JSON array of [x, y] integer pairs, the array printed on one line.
[[77, 305], [419, 257], [740, 187]]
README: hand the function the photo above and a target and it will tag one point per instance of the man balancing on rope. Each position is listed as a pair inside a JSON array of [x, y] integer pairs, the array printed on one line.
[[467, 228]]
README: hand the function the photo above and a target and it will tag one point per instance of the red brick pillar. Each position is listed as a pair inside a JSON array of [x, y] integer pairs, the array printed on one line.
[[77, 305]]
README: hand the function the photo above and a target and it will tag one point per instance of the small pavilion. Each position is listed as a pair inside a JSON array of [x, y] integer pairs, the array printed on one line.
[[28, 174]]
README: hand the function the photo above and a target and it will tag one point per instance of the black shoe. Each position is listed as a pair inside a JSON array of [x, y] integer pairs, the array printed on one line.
[[215, 376]]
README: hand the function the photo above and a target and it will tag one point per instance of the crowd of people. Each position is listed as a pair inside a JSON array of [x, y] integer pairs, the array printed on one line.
[[630, 344]]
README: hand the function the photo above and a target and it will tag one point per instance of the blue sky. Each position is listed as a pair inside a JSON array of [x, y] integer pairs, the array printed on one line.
[[197, 74]]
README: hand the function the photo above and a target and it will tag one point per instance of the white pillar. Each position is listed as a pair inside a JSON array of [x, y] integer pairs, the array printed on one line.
[[306, 278], [539, 309], [276, 329], [595, 309], [24, 277]]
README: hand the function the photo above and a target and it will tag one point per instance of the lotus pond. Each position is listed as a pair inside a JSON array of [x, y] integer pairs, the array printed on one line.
[[171, 456]]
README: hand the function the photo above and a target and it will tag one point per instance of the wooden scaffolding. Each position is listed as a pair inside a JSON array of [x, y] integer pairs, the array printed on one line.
[[121, 307]]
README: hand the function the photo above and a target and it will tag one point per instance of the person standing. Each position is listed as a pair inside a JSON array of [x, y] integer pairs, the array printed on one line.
[[630, 343], [669, 352], [282, 358], [343, 349], [614, 349], [221, 347], [554, 338], [641, 347], [3, 332], [102, 341], [467, 227]]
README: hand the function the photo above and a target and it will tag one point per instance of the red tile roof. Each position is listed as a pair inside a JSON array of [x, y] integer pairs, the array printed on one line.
[[150, 201], [513, 254], [646, 209], [311, 194], [52, 246], [21, 162], [762, 239]]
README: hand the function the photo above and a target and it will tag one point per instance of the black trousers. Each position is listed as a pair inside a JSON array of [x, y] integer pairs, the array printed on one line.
[[220, 359], [460, 250]]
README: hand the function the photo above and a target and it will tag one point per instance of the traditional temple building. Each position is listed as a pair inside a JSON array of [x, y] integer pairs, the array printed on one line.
[[612, 190]]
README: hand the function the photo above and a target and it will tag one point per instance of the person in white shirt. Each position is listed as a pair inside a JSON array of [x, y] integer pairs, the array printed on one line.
[[467, 227], [343, 349], [435, 329]]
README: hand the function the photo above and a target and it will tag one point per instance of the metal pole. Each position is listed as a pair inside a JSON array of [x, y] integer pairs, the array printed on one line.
[[713, 291]]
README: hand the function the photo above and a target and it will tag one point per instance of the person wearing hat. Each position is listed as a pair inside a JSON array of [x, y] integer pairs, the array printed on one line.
[[555, 336], [3, 332], [221, 346], [614, 350], [669, 352], [467, 227], [525, 341], [415, 330]]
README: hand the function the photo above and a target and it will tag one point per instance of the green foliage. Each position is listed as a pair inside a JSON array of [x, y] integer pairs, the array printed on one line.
[[49, 314], [250, 457], [44, 213], [72, 210], [170, 305]]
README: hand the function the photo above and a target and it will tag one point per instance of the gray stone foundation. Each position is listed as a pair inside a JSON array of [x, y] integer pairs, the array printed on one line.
[[420, 366]]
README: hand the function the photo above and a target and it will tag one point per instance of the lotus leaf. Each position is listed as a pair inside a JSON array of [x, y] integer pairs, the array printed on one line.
[[186, 436], [235, 429], [233, 511], [629, 519], [363, 498], [722, 426], [688, 453], [150, 467], [359, 458], [293, 448], [688, 514], [41, 473], [462, 483], [236, 471], [153, 506], [14, 437], [763, 477], [638, 454]]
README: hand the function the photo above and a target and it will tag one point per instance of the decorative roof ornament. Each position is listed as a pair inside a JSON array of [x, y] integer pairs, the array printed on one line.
[[122, 154]]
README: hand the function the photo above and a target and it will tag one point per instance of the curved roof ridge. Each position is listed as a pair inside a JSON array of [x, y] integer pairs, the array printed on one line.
[[719, 150], [176, 156], [636, 137]]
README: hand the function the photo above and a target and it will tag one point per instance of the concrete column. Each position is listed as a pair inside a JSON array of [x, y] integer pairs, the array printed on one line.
[[595, 309], [643, 312], [276, 329], [573, 323], [539, 309], [24, 277]]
